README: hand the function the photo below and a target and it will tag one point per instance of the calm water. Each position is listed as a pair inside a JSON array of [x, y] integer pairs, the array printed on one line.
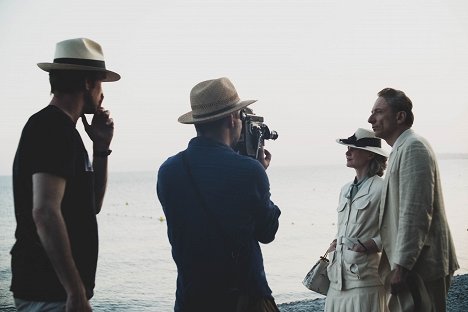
[[136, 271]]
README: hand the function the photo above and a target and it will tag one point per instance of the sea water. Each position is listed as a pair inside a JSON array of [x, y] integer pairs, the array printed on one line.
[[136, 271]]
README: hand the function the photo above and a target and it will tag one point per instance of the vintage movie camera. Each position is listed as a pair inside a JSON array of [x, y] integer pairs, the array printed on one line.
[[254, 133]]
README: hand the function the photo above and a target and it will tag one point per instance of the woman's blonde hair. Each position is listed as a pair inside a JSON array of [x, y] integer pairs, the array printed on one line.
[[377, 165]]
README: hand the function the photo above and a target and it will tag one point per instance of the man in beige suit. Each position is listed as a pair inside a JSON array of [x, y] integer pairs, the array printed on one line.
[[417, 244]]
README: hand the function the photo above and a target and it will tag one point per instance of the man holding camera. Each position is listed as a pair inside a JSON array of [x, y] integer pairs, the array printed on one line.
[[218, 208]]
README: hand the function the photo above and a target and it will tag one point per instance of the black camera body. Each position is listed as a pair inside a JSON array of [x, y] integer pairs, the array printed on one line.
[[254, 133]]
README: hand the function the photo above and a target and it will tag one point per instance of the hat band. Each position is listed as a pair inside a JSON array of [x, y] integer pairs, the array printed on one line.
[[364, 142], [219, 111], [84, 62]]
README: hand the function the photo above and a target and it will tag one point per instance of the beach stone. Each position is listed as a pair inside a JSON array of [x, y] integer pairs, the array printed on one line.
[[457, 300]]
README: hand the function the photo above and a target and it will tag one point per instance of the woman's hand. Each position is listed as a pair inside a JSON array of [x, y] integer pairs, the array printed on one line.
[[368, 246], [332, 246]]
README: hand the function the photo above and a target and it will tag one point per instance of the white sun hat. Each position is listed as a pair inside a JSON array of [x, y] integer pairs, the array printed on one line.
[[79, 54], [366, 140]]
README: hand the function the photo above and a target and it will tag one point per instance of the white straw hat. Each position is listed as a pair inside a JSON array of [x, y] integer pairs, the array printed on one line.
[[212, 100], [79, 54], [366, 140]]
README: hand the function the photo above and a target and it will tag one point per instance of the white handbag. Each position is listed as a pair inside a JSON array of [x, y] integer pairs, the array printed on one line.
[[317, 278]]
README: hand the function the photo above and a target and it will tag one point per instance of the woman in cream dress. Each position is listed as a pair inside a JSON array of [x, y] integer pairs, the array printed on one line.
[[355, 253]]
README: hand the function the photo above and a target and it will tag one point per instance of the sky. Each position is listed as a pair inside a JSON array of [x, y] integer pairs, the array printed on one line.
[[315, 68]]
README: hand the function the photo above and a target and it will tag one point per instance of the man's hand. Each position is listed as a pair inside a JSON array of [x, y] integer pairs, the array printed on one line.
[[398, 280], [264, 157], [101, 129], [77, 303]]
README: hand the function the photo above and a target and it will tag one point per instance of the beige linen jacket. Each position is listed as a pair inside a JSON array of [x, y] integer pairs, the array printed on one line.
[[413, 224], [360, 220]]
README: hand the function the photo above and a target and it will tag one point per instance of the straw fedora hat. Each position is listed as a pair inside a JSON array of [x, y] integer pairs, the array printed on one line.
[[79, 54], [366, 140], [212, 100]]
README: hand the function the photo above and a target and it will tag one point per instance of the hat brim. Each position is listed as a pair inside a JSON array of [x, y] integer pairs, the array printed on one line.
[[376, 150], [188, 118], [110, 75]]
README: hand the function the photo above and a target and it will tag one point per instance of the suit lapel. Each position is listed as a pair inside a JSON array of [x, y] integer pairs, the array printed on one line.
[[384, 194]]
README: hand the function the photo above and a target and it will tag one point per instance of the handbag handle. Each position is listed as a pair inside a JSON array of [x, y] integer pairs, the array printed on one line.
[[324, 257]]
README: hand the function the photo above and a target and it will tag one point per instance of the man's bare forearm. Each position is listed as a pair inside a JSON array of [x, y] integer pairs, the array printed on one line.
[[100, 180], [48, 192], [53, 234]]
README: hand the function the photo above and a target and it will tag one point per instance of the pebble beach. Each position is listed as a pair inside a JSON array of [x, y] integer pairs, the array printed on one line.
[[457, 300]]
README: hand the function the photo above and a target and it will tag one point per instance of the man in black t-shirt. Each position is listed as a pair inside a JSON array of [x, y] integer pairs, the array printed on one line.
[[57, 191]]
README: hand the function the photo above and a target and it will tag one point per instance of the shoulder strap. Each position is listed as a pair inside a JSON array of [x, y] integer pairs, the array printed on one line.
[[204, 206]]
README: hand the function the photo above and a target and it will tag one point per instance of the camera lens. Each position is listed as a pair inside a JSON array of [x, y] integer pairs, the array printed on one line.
[[273, 135]]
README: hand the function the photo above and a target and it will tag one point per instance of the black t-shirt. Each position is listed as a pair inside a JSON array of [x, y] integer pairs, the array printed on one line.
[[51, 144]]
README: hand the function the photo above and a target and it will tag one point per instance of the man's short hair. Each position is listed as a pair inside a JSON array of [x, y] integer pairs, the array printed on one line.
[[203, 128], [72, 81], [399, 102]]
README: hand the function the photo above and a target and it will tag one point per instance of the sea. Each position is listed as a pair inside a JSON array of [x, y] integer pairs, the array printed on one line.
[[136, 271]]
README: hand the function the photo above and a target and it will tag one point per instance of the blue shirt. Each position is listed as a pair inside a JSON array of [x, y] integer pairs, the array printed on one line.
[[235, 188]]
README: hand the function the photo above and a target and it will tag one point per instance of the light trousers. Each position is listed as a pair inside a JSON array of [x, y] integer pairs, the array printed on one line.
[[39, 306]]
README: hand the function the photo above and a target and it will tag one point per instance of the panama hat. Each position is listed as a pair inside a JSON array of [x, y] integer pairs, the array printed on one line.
[[366, 140], [79, 54], [212, 100]]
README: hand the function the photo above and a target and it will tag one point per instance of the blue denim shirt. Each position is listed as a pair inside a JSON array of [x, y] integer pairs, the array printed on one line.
[[235, 188]]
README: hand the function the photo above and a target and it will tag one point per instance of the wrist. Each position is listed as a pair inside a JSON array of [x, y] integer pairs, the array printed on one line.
[[401, 268], [101, 146], [101, 153]]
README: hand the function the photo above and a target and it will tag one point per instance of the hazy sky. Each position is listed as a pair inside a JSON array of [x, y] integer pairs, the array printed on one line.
[[314, 67]]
